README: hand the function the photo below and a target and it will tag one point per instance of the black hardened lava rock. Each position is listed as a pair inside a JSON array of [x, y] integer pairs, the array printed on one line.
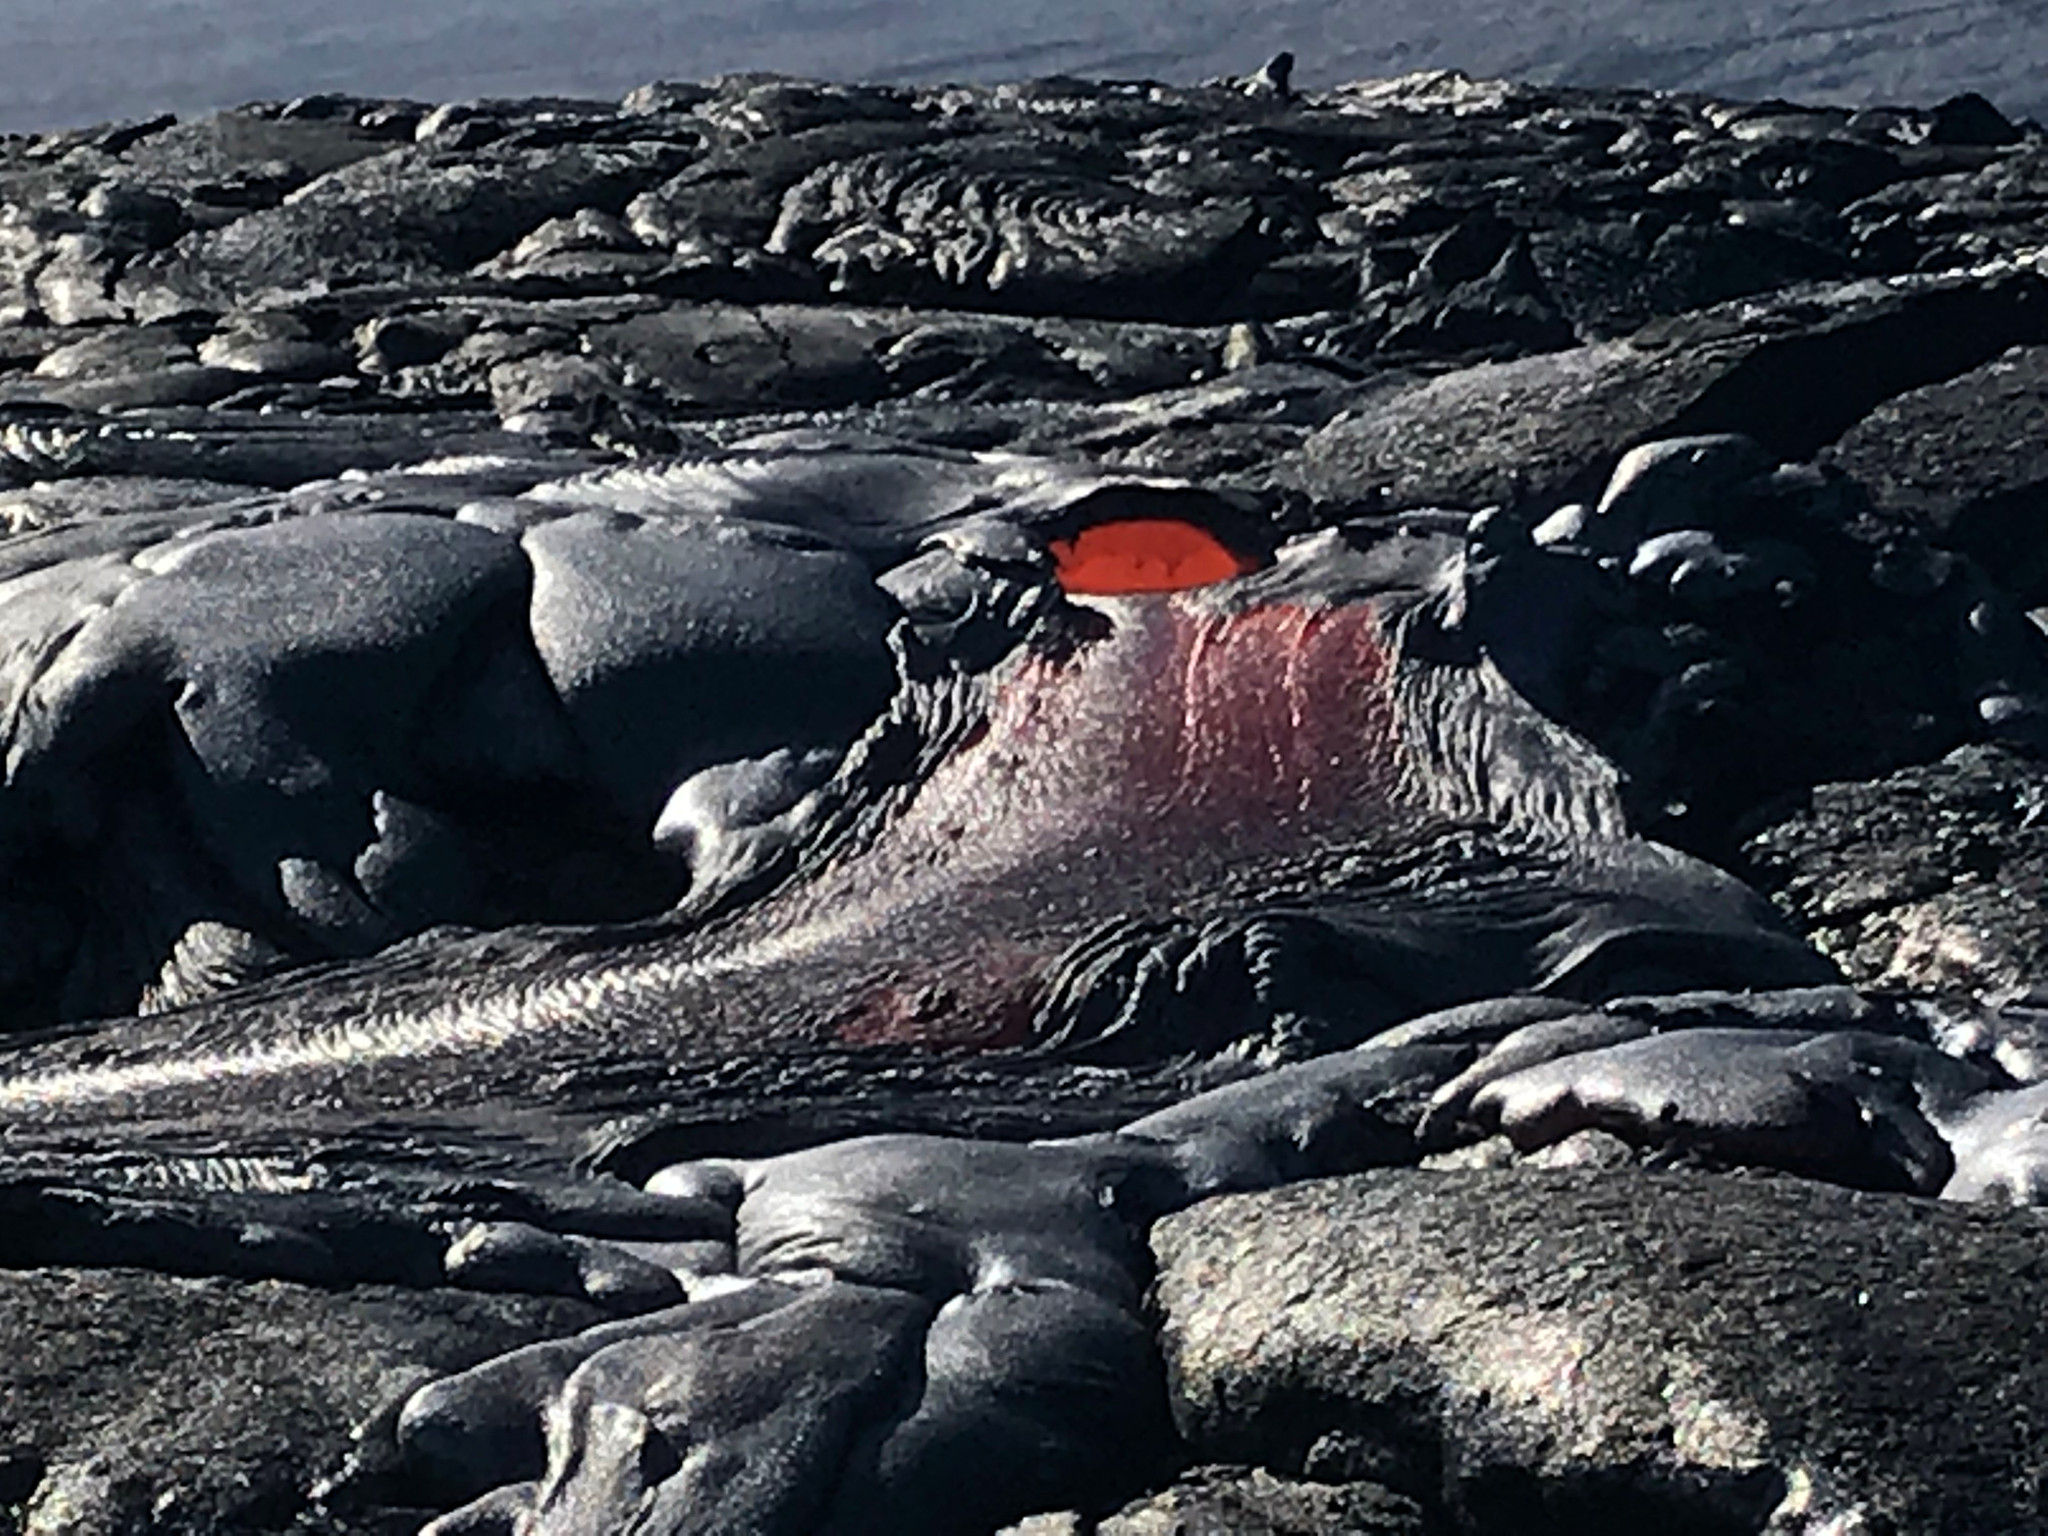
[[1614, 1351], [1068, 807]]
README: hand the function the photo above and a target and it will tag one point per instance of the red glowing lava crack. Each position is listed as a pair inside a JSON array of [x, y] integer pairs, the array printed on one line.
[[1144, 554]]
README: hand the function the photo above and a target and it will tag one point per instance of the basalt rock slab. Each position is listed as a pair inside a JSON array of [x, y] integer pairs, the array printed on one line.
[[1963, 456], [1214, 1500], [257, 155], [906, 228], [1575, 1351], [281, 765], [255, 448], [1794, 371], [403, 216], [1933, 874], [816, 644], [141, 1402]]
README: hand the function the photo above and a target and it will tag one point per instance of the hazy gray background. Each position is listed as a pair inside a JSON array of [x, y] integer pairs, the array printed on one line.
[[71, 62]]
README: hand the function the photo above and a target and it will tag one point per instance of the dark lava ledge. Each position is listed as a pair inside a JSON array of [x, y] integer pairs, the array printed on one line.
[[1072, 807]]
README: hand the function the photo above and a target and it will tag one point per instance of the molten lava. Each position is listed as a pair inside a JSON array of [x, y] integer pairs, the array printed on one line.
[[1144, 554]]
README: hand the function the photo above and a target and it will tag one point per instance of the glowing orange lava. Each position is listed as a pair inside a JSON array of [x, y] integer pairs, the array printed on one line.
[[1144, 554]]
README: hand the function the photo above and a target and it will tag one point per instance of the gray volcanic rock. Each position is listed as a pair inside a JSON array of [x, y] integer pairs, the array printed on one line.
[[256, 448], [1575, 1351], [257, 156], [279, 765], [409, 215], [1224, 1501], [1966, 457], [633, 621], [1794, 372], [139, 1402], [724, 358], [1934, 875], [1036, 232], [49, 503]]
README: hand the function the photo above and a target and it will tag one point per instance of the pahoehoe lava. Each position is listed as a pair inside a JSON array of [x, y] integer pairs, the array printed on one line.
[[842, 809], [1147, 772]]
